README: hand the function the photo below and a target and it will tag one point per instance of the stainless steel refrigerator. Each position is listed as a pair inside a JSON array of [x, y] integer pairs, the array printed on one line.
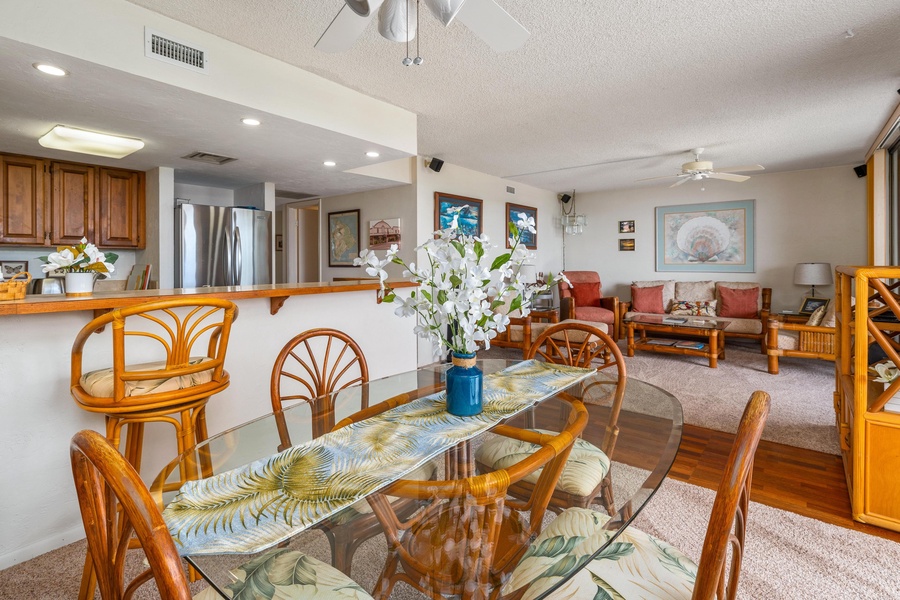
[[222, 245]]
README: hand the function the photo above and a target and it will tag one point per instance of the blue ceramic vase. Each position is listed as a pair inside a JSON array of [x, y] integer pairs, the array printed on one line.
[[464, 386]]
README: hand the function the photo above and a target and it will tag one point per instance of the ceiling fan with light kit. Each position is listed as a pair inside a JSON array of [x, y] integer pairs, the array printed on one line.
[[697, 170], [398, 22]]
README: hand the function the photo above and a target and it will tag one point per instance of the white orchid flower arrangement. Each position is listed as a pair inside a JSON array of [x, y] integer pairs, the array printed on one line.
[[457, 301], [886, 371], [83, 257]]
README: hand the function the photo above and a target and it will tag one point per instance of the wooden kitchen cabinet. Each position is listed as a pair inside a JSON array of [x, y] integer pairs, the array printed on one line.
[[71, 202], [22, 200], [44, 202], [120, 209]]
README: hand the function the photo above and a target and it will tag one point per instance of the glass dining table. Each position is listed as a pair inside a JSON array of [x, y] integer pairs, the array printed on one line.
[[236, 469]]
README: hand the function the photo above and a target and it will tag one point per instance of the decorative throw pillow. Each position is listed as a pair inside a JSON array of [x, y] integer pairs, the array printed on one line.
[[737, 303], [586, 294], [700, 308], [647, 299], [829, 319], [668, 293], [816, 317]]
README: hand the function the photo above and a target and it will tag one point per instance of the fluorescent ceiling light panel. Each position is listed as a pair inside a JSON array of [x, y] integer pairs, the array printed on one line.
[[89, 142]]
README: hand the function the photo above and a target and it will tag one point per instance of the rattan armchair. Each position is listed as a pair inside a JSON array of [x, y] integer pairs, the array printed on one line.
[[797, 340]]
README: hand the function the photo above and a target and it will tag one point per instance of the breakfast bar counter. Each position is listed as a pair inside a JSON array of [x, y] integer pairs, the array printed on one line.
[[38, 415]]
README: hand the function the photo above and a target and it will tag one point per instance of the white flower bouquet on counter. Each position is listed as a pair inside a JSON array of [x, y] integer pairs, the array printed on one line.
[[83, 257], [460, 302]]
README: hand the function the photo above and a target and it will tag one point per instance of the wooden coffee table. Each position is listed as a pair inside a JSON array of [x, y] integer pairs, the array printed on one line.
[[652, 330]]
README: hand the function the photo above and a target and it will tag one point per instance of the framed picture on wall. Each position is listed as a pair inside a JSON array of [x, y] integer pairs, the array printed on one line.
[[384, 233], [714, 237], [469, 217], [626, 245], [626, 226], [343, 238], [279, 242], [529, 240]]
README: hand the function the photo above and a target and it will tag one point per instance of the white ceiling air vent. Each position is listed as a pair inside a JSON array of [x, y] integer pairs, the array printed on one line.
[[164, 48], [209, 158]]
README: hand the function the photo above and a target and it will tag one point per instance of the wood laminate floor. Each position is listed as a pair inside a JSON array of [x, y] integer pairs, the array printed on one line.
[[794, 479]]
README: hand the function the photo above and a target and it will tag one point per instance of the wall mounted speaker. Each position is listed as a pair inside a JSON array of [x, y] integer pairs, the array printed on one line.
[[564, 198], [860, 170], [435, 164]]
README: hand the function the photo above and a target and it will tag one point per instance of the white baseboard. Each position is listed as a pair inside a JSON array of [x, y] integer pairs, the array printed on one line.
[[41, 547]]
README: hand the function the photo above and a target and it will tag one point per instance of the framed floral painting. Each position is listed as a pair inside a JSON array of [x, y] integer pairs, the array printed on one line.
[[529, 240], [343, 238]]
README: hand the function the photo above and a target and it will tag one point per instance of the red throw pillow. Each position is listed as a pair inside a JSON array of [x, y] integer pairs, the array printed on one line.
[[586, 294], [739, 304], [647, 299]]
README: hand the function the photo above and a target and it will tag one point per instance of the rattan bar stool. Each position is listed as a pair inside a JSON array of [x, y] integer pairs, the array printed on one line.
[[173, 389]]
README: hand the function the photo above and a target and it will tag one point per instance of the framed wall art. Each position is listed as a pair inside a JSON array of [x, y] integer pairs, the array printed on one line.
[[383, 233], [626, 245], [529, 240], [714, 237], [279, 242], [8, 268], [343, 238], [626, 226], [469, 218]]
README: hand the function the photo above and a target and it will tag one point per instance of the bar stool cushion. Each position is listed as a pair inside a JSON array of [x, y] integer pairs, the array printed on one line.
[[284, 574], [636, 565], [584, 470], [100, 383]]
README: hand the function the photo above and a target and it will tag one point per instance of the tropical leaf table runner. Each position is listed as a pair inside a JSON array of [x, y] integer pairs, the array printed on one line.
[[254, 507]]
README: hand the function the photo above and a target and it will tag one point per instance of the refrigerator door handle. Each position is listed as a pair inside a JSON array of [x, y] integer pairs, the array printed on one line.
[[227, 258], [238, 256]]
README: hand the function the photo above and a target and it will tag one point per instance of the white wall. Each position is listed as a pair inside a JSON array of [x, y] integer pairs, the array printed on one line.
[[802, 216], [391, 203], [202, 194]]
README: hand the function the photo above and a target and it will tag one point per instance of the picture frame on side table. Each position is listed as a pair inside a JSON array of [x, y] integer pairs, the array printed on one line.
[[811, 303], [626, 245], [529, 240], [626, 226], [343, 238], [470, 219], [8, 268], [713, 237]]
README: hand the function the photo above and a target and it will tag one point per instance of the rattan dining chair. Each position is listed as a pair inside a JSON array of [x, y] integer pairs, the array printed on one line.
[[115, 504], [637, 565], [586, 476], [469, 534]]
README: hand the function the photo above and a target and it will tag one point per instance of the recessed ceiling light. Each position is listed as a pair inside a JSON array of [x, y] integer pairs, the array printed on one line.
[[372, 154], [89, 142], [50, 69], [249, 121], [329, 163]]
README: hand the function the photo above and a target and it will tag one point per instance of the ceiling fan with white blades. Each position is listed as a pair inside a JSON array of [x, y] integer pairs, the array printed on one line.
[[397, 21], [697, 170]]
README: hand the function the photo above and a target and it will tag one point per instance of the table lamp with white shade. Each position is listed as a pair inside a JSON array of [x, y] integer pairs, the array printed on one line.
[[813, 274]]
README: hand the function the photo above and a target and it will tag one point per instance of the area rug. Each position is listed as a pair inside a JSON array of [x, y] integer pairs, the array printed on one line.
[[788, 557], [802, 411]]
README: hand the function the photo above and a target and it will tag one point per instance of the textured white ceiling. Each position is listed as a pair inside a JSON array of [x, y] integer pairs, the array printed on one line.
[[634, 84]]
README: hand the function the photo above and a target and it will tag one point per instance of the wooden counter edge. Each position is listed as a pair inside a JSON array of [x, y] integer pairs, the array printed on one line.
[[277, 293]]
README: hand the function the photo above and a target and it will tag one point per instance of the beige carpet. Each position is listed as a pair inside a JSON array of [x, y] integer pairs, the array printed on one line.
[[802, 402], [788, 557]]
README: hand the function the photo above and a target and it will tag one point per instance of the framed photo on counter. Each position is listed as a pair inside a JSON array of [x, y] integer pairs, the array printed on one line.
[[810, 304], [8, 268], [343, 238]]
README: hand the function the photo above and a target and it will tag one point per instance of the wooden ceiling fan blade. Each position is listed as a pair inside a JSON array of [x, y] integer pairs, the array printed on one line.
[[684, 180], [742, 169], [345, 28], [487, 20], [728, 177]]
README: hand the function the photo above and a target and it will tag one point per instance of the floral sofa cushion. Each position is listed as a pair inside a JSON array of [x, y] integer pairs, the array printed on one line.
[[635, 565]]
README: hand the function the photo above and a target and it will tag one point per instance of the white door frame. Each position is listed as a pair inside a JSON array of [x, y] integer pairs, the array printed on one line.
[[292, 248]]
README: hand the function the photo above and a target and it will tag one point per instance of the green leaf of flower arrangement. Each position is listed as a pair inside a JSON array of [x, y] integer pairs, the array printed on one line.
[[500, 261]]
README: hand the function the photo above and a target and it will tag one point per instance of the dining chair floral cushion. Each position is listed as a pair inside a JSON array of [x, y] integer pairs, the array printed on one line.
[[635, 566], [585, 469], [284, 574]]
